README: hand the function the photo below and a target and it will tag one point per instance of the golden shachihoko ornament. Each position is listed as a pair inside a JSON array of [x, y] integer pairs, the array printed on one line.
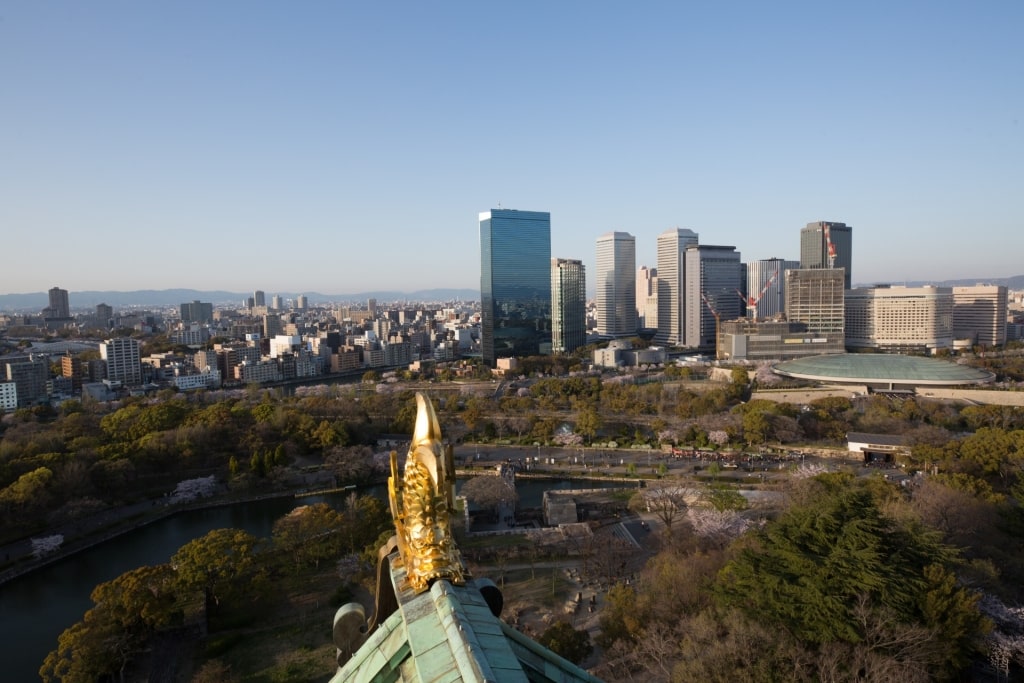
[[422, 502]]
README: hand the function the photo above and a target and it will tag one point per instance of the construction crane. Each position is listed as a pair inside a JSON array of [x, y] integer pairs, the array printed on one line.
[[718, 327], [752, 301], [829, 247]]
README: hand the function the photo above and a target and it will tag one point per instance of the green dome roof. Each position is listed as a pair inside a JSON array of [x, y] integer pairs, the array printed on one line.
[[875, 368]]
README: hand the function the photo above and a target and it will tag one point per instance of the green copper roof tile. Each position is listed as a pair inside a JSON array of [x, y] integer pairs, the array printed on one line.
[[435, 662], [371, 667]]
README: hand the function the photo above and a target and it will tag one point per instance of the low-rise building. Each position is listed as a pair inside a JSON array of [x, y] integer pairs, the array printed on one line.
[[756, 340]]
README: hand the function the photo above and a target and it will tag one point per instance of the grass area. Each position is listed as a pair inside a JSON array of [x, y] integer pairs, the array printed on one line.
[[544, 587]]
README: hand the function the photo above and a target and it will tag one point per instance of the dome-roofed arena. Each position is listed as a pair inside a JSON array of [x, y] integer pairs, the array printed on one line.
[[882, 371]]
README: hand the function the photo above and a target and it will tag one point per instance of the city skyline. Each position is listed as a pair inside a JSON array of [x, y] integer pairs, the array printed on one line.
[[290, 144]]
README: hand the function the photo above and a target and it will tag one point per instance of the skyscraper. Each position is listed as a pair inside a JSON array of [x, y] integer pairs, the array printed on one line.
[[815, 251], [767, 276], [671, 269], [647, 297], [515, 283], [59, 307], [616, 284], [713, 273], [259, 299], [568, 305]]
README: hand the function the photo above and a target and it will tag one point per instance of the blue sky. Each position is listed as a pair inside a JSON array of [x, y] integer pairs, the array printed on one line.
[[342, 147]]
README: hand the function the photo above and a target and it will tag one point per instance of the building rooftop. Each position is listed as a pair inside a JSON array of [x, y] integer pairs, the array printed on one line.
[[875, 369]]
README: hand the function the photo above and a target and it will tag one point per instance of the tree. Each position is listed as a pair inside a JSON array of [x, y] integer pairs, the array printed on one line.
[[83, 654], [309, 533], [350, 464], [666, 499], [808, 571], [489, 492], [30, 491], [215, 562], [127, 611], [588, 423], [364, 519], [565, 641]]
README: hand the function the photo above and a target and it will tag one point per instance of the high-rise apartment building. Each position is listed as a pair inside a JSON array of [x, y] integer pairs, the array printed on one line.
[[824, 244], [29, 375], [197, 312], [276, 303], [672, 246], [815, 297], [515, 283], [103, 315], [980, 314], [8, 397], [301, 302], [909, 319], [568, 305], [766, 286], [713, 274], [616, 285], [59, 307], [124, 362]]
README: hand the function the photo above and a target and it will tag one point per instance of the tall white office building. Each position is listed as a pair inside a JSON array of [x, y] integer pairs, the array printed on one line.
[[647, 297], [616, 285], [671, 270]]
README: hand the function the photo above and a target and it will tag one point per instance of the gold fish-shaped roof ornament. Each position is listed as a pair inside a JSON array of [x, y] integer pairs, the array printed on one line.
[[422, 503]]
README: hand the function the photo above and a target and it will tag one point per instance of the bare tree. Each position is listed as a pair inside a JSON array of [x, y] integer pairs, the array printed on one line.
[[489, 492], [668, 500]]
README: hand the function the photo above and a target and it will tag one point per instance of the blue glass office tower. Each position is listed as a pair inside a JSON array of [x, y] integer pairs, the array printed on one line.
[[515, 283]]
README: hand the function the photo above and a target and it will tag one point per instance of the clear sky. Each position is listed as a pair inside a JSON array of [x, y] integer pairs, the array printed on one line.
[[342, 147]]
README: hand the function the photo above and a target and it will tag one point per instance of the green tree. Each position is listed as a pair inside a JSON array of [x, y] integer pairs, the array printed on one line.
[[620, 619], [216, 563], [831, 559], [28, 492], [127, 611], [309, 533], [588, 423], [85, 654], [364, 519], [565, 641]]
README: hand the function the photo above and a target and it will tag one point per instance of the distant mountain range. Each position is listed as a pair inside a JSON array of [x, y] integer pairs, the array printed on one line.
[[1015, 282], [34, 302]]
